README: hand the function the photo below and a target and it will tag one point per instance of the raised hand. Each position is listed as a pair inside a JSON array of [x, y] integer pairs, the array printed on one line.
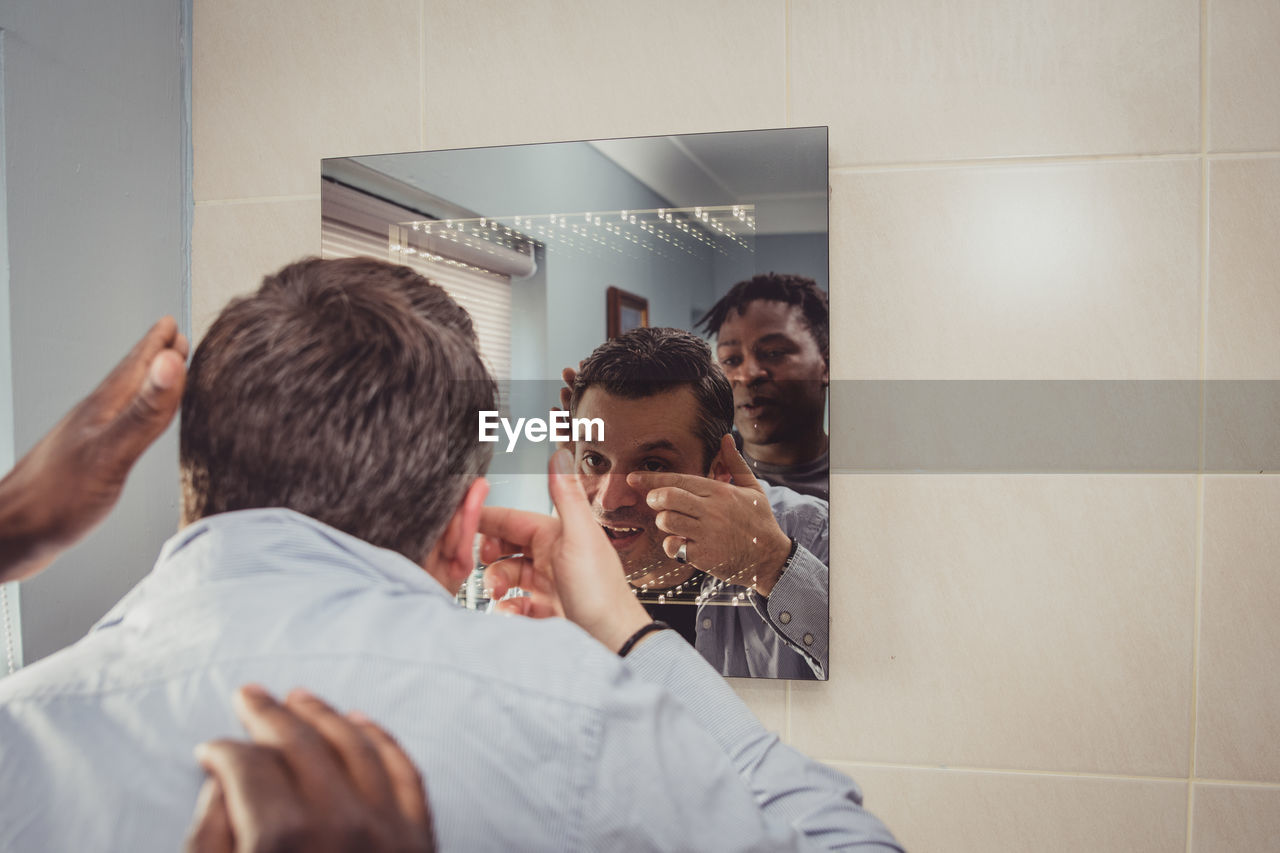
[[727, 528], [72, 478], [569, 560]]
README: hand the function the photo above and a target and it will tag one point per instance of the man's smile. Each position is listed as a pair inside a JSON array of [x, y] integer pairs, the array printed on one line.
[[620, 535]]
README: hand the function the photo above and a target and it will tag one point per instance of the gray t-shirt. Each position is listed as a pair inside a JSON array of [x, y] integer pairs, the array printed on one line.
[[808, 478]]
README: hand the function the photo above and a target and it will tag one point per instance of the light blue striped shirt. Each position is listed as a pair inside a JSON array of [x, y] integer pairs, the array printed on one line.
[[530, 735], [786, 635]]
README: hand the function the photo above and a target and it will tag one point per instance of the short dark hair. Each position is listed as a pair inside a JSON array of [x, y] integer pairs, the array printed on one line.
[[346, 390], [791, 289], [644, 362]]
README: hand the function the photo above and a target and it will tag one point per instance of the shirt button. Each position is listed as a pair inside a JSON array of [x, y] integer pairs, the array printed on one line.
[[784, 617], [706, 624], [808, 639]]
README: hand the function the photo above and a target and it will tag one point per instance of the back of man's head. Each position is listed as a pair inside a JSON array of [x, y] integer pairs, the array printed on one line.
[[644, 362], [790, 289], [346, 390]]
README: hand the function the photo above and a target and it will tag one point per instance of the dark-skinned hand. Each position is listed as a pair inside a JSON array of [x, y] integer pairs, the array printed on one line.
[[311, 780], [72, 478]]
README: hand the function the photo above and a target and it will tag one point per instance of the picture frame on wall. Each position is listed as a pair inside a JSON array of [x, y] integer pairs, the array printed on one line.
[[626, 311]]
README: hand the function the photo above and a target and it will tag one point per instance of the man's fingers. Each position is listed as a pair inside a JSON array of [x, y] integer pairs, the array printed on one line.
[[125, 377], [677, 524], [154, 402], [502, 575], [736, 465], [569, 375], [567, 495], [703, 487], [259, 791], [315, 763], [676, 500], [513, 606], [515, 527], [406, 782], [358, 753], [210, 830]]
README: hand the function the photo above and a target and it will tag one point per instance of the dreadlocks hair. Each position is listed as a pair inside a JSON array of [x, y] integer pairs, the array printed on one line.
[[791, 289]]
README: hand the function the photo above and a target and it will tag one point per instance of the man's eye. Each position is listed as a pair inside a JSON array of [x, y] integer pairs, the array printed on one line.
[[731, 361], [653, 465], [593, 463], [773, 354]]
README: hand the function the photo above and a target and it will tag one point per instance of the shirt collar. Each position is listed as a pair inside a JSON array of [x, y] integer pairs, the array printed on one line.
[[262, 542]]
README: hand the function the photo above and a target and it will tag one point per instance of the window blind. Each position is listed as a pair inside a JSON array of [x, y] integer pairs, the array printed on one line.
[[350, 227]]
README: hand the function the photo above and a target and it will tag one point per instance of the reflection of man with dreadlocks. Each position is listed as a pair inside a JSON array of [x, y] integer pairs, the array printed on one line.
[[674, 496]]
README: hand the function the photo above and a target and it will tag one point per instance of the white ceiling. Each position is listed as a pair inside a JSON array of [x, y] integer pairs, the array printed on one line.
[[786, 168]]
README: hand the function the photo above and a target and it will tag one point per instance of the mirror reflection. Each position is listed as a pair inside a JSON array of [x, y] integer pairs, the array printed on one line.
[[667, 296]]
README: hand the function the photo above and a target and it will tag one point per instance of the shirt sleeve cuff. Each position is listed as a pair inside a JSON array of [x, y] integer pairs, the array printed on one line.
[[797, 609]]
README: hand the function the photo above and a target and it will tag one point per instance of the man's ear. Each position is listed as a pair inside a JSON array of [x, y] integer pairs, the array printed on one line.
[[452, 559], [719, 465]]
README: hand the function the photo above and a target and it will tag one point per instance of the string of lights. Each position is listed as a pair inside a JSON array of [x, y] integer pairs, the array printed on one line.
[[663, 232]]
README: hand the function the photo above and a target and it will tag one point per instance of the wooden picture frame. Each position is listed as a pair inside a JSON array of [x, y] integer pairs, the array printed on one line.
[[625, 311]]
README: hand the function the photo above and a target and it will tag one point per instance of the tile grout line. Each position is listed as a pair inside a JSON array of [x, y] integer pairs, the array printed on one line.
[[1065, 472], [786, 712], [422, 74], [786, 76], [1202, 358], [1195, 646], [262, 199], [1063, 774], [1008, 771], [1239, 783], [1048, 160]]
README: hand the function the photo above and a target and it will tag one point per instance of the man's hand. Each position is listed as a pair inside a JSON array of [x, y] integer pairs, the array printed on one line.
[[569, 564], [72, 478], [728, 529], [569, 375], [311, 780]]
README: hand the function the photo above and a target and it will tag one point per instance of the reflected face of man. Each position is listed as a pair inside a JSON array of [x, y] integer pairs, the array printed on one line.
[[778, 374], [654, 433]]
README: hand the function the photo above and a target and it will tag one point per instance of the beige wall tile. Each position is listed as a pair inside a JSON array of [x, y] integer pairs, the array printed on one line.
[[1237, 723], [1018, 622], [1244, 64], [277, 86], [767, 699], [500, 73], [957, 812], [1244, 269], [1234, 819], [234, 245], [1045, 272], [936, 79]]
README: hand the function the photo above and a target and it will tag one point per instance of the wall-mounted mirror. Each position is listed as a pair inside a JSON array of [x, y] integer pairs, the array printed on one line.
[[699, 260]]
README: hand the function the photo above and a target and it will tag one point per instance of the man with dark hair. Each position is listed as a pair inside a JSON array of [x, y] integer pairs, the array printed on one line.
[[673, 495], [317, 352], [771, 342], [61, 489], [331, 498]]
